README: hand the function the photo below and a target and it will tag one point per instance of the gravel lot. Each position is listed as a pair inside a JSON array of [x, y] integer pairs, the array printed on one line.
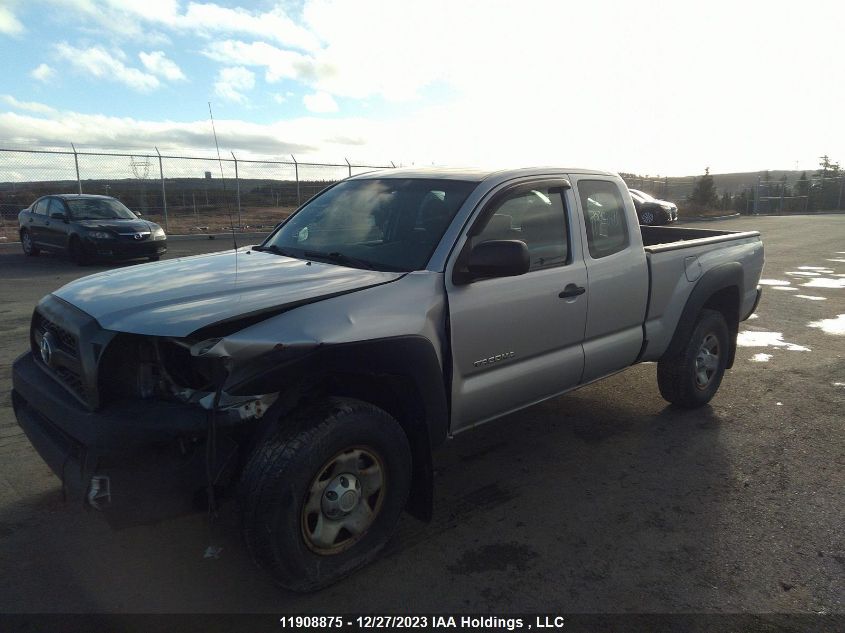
[[604, 500]]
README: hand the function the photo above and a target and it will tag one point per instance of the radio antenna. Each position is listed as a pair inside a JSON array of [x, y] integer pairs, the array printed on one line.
[[223, 178]]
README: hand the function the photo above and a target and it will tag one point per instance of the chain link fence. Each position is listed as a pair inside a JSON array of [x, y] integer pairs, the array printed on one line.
[[185, 194], [750, 193]]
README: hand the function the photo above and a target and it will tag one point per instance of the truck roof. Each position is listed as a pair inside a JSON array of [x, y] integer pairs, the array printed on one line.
[[474, 175]]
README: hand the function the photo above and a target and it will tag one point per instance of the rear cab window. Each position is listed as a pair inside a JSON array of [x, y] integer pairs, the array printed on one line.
[[605, 218]]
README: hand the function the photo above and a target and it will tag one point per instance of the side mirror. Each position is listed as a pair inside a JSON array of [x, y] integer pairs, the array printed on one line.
[[495, 258], [58, 215]]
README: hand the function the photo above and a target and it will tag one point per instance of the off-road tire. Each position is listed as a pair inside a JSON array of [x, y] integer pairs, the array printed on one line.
[[278, 476], [29, 247], [676, 375]]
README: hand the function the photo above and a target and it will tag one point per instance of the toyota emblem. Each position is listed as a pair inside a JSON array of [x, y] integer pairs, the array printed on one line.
[[46, 348]]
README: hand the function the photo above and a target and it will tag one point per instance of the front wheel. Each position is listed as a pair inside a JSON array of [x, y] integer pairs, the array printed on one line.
[[29, 247], [691, 378], [323, 496], [647, 218]]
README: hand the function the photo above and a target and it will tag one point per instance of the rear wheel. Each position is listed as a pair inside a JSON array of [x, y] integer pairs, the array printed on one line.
[[691, 378], [29, 247], [323, 496]]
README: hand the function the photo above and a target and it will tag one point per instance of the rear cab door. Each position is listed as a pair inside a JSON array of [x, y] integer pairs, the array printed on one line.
[[36, 221], [55, 229], [517, 340], [617, 271]]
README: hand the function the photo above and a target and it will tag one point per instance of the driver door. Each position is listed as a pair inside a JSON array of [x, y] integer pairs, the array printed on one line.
[[518, 340]]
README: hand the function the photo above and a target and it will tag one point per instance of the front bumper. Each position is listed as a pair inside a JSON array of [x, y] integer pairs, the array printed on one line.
[[150, 454], [120, 249]]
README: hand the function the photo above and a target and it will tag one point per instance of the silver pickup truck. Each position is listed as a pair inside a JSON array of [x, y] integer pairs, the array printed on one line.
[[311, 377]]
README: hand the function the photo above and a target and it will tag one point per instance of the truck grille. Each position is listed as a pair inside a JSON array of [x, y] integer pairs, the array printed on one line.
[[67, 341], [71, 358]]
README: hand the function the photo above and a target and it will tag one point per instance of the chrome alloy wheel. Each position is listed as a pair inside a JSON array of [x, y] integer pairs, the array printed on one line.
[[706, 361], [648, 217], [343, 501], [26, 242]]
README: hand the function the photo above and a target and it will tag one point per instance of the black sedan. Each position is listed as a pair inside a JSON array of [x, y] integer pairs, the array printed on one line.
[[653, 211], [89, 227]]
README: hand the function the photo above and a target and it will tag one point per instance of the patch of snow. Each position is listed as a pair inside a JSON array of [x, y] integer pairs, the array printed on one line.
[[826, 282], [812, 297], [749, 338], [761, 358], [775, 282], [831, 326]]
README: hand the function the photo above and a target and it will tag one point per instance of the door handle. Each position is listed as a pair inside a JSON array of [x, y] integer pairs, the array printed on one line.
[[572, 290]]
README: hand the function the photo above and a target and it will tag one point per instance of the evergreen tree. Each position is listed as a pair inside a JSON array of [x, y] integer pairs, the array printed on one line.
[[802, 187], [704, 194]]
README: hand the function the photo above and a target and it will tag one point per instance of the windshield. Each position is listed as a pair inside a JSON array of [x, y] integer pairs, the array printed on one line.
[[644, 197], [98, 209], [384, 224]]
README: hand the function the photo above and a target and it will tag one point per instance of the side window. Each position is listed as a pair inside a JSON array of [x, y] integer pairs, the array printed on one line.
[[40, 207], [604, 217], [56, 206], [535, 216]]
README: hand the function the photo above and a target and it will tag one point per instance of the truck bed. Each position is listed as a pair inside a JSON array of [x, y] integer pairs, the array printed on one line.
[[671, 237], [677, 258]]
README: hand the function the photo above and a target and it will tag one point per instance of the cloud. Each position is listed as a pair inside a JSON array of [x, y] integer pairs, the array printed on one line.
[[321, 102], [134, 19], [29, 106], [103, 64], [43, 72], [232, 82], [158, 64], [278, 63], [274, 25], [129, 134], [9, 24]]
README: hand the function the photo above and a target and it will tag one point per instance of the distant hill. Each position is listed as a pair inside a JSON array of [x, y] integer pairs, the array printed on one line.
[[677, 188]]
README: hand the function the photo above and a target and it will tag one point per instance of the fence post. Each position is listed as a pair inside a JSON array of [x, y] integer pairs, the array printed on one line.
[[76, 162], [349, 166], [296, 172], [163, 191], [238, 191], [392, 164]]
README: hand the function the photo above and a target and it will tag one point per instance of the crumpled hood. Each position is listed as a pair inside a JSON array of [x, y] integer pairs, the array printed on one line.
[[178, 296], [117, 225]]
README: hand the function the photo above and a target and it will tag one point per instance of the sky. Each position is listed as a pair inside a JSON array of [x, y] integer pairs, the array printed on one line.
[[657, 88]]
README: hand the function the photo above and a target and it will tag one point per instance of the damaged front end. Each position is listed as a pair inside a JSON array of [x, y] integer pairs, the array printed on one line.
[[140, 427], [177, 370]]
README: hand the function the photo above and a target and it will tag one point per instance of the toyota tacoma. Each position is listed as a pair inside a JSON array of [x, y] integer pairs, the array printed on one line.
[[311, 376]]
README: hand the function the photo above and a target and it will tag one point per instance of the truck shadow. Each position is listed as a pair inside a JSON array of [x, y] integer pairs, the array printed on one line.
[[601, 500]]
